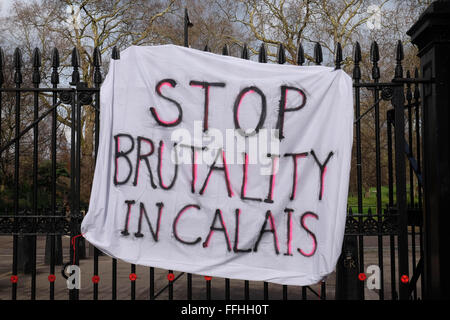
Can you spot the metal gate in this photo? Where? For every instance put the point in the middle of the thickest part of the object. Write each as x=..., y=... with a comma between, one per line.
x=386, y=234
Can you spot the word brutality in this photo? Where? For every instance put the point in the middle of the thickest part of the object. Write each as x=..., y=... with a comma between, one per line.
x=144, y=148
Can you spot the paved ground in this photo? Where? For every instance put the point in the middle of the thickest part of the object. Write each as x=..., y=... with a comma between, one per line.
x=143, y=280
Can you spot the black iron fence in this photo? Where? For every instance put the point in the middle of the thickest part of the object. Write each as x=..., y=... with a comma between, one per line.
x=387, y=235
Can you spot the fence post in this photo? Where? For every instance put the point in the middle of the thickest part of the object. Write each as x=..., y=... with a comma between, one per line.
x=431, y=34
x=347, y=286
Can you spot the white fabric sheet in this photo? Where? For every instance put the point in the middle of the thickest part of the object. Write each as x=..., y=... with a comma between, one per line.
x=306, y=231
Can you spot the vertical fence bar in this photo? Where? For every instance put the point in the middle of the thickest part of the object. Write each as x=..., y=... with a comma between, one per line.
x=411, y=177
x=55, y=82
x=208, y=289
x=133, y=279
x=227, y=289
x=323, y=290
x=72, y=187
x=189, y=286
x=115, y=55
x=18, y=82
x=114, y=280
x=390, y=119
x=357, y=77
x=74, y=168
x=398, y=101
x=152, y=283
x=171, y=286
x=266, y=291
x=419, y=167
x=97, y=82
x=375, y=57
x=36, y=79
x=246, y=290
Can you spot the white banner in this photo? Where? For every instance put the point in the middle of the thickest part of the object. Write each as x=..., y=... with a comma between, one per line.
x=220, y=166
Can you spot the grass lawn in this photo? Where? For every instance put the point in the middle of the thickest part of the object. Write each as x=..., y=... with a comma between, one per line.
x=369, y=199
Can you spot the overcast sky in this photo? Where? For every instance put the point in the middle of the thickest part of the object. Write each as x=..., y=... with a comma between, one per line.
x=4, y=4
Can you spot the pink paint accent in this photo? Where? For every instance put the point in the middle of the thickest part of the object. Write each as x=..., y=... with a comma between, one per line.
x=165, y=122
x=314, y=242
x=295, y=169
x=272, y=225
x=323, y=181
x=161, y=162
x=225, y=227
x=245, y=175
x=195, y=169
x=211, y=232
x=273, y=176
x=159, y=223
x=129, y=214
x=209, y=237
x=239, y=105
x=156, y=113
x=117, y=159
x=207, y=108
x=290, y=234
x=137, y=178
x=207, y=181
x=237, y=228
x=139, y=162
x=227, y=174
x=285, y=100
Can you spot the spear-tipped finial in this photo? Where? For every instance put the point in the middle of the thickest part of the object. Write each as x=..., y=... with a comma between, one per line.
x=115, y=53
x=36, y=76
x=300, y=55
x=36, y=58
x=338, y=59
x=375, y=57
x=245, y=54
x=399, y=57
x=97, y=63
x=75, y=58
x=262, y=54
x=55, y=64
x=356, y=61
x=318, y=57
x=17, y=66
x=97, y=57
x=281, y=55
x=225, y=50
x=55, y=58
x=75, y=65
x=374, y=52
